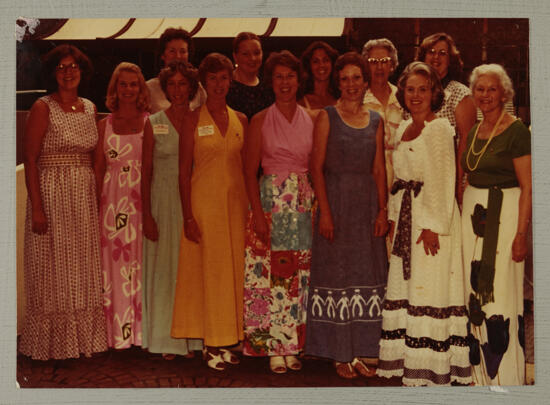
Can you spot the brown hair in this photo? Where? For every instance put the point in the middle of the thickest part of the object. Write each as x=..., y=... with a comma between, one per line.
x=306, y=65
x=186, y=69
x=244, y=36
x=349, y=58
x=52, y=59
x=421, y=68
x=283, y=58
x=455, y=61
x=213, y=63
x=170, y=34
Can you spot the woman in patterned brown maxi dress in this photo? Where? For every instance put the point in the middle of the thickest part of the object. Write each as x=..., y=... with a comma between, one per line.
x=64, y=315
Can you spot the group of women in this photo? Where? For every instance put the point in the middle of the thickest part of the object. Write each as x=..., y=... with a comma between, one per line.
x=212, y=207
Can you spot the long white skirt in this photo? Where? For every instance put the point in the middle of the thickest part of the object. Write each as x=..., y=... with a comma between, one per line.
x=508, y=290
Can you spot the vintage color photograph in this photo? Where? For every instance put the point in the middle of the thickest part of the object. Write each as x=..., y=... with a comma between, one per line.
x=274, y=202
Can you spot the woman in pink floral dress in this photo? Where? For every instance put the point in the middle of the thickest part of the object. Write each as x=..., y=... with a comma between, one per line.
x=118, y=171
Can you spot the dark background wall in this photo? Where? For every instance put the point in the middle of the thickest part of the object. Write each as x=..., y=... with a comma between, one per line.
x=503, y=41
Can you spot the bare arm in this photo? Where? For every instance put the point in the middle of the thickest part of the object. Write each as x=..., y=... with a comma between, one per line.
x=379, y=174
x=37, y=125
x=244, y=123
x=465, y=116
x=150, y=228
x=318, y=154
x=99, y=159
x=186, y=149
x=522, y=166
x=253, y=154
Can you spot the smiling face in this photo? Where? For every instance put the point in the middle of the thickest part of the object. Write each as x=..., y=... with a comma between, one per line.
x=438, y=57
x=285, y=83
x=127, y=87
x=321, y=65
x=351, y=83
x=380, y=65
x=217, y=84
x=418, y=94
x=488, y=93
x=249, y=56
x=176, y=49
x=177, y=89
x=67, y=73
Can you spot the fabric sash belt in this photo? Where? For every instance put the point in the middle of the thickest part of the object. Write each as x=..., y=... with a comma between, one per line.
x=65, y=159
x=402, y=240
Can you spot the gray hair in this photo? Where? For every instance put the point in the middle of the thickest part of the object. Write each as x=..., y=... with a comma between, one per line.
x=381, y=43
x=497, y=71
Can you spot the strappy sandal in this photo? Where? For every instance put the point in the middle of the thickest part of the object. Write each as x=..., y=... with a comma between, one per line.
x=168, y=356
x=345, y=370
x=293, y=363
x=277, y=364
x=229, y=357
x=362, y=368
x=214, y=361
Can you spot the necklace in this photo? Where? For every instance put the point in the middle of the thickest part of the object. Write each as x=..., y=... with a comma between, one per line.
x=71, y=104
x=471, y=150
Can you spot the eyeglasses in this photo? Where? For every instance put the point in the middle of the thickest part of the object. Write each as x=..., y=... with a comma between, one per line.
x=383, y=61
x=70, y=67
x=442, y=52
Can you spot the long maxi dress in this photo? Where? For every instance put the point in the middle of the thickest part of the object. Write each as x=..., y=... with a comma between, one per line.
x=122, y=237
x=496, y=324
x=277, y=275
x=424, y=324
x=348, y=276
x=209, y=289
x=160, y=257
x=64, y=312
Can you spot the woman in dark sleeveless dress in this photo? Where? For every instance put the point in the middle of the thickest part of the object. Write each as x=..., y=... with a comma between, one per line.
x=349, y=262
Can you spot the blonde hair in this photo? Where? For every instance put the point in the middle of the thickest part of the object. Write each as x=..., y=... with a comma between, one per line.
x=143, y=102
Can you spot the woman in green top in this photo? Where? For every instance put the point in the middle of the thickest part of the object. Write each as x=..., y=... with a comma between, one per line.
x=495, y=218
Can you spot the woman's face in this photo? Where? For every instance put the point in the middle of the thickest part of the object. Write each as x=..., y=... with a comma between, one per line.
x=488, y=93
x=438, y=57
x=177, y=89
x=127, y=87
x=67, y=73
x=217, y=84
x=249, y=56
x=418, y=94
x=321, y=65
x=176, y=49
x=351, y=83
x=285, y=83
x=380, y=65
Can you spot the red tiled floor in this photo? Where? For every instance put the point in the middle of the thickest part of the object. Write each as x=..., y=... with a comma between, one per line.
x=137, y=368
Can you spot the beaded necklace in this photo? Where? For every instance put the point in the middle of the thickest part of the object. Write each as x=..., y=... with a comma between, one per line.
x=471, y=150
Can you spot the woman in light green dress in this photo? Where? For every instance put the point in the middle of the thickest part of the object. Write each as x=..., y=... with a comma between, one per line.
x=162, y=215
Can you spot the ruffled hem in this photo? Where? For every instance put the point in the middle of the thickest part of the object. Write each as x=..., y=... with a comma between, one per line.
x=62, y=336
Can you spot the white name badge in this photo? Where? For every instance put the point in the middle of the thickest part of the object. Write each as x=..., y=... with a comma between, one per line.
x=161, y=129
x=206, y=130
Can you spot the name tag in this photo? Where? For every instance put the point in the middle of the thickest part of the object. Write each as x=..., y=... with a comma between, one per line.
x=206, y=130
x=161, y=129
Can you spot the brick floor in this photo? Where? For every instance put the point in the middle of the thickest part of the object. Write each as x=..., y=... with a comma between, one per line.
x=137, y=368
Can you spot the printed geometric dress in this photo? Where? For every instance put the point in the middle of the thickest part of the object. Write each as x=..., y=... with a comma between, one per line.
x=490, y=214
x=424, y=324
x=121, y=236
x=160, y=257
x=277, y=274
x=348, y=276
x=64, y=316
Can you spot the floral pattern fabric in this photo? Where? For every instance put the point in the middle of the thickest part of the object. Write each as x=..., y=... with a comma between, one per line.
x=277, y=274
x=121, y=237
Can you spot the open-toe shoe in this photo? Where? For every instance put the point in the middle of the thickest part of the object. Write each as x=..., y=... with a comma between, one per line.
x=345, y=370
x=229, y=357
x=362, y=368
x=214, y=361
x=277, y=364
x=293, y=363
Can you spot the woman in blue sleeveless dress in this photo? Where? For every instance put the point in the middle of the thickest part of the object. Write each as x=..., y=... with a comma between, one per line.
x=349, y=262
